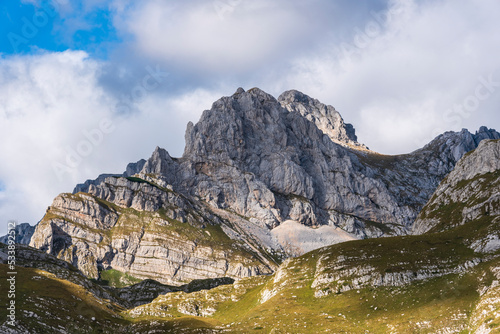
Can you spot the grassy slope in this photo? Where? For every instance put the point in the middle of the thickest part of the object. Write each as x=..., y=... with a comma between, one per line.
x=117, y=279
x=445, y=302
x=57, y=303
x=448, y=301
x=47, y=304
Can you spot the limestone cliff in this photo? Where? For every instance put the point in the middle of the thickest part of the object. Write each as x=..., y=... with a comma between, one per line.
x=140, y=228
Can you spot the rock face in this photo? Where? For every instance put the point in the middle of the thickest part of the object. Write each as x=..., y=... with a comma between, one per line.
x=251, y=163
x=471, y=191
x=132, y=168
x=265, y=162
x=326, y=118
x=140, y=228
x=24, y=232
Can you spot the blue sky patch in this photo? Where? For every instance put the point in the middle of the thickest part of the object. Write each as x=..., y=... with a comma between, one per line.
x=26, y=28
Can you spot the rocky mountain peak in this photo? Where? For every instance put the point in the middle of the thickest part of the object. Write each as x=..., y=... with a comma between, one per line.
x=159, y=163
x=292, y=95
x=234, y=126
x=24, y=232
x=239, y=91
x=325, y=117
x=456, y=144
x=485, y=133
x=239, y=125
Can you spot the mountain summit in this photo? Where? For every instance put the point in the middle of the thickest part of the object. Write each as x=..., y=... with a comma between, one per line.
x=326, y=118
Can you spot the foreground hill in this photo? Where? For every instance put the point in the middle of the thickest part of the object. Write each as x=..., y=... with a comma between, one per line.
x=259, y=175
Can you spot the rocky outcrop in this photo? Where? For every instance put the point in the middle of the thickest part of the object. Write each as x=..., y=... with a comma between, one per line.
x=139, y=228
x=341, y=279
x=326, y=118
x=470, y=192
x=200, y=303
x=23, y=234
x=148, y=290
x=132, y=168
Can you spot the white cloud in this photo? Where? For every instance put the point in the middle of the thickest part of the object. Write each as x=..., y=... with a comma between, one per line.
x=45, y=102
x=52, y=109
x=214, y=36
x=397, y=77
x=398, y=87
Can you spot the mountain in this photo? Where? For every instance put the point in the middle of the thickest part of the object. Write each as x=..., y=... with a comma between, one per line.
x=261, y=179
x=445, y=280
x=23, y=235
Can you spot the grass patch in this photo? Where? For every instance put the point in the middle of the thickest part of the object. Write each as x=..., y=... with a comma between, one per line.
x=139, y=180
x=382, y=227
x=449, y=214
x=117, y=279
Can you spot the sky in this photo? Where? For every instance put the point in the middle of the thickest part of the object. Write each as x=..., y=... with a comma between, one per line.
x=89, y=86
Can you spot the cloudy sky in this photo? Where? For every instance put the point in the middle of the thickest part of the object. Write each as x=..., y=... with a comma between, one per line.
x=88, y=86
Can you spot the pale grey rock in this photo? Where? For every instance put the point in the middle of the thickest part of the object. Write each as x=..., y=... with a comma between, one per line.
x=326, y=118
x=489, y=243
x=118, y=225
x=24, y=232
x=303, y=212
x=297, y=239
